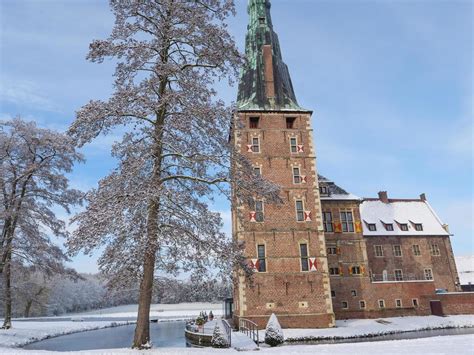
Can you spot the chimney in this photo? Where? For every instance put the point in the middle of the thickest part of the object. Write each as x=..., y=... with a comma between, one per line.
x=423, y=197
x=383, y=196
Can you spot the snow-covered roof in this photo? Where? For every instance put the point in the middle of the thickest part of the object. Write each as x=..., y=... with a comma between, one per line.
x=334, y=192
x=398, y=212
x=465, y=266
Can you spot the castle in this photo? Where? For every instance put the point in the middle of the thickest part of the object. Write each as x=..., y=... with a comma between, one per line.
x=323, y=254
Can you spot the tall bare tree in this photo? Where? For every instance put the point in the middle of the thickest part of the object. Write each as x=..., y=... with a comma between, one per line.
x=152, y=211
x=33, y=164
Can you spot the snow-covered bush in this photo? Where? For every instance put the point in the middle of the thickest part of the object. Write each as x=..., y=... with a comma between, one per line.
x=219, y=339
x=273, y=332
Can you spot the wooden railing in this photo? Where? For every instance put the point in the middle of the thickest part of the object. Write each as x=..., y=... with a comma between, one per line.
x=249, y=328
x=228, y=332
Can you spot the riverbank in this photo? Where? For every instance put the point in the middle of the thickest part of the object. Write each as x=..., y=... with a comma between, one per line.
x=24, y=333
x=459, y=345
x=368, y=328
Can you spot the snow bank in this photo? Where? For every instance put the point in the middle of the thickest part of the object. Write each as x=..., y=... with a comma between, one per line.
x=457, y=344
x=165, y=311
x=370, y=327
x=24, y=333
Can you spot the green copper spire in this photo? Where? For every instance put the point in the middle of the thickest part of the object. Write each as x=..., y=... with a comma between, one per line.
x=265, y=82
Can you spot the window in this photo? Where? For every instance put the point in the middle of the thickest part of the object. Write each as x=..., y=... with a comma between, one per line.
x=381, y=303
x=261, y=20
x=353, y=293
x=331, y=251
x=255, y=145
x=304, y=257
x=253, y=122
x=398, y=303
x=299, y=211
x=414, y=301
x=355, y=270
x=404, y=227
x=389, y=226
x=293, y=145
x=372, y=227
x=262, y=266
x=259, y=211
x=398, y=275
x=418, y=227
x=327, y=222
x=397, y=250
x=333, y=293
x=428, y=274
x=296, y=176
x=290, y=122
x=434, y=250
x=378, y=250
x=361, y=304
x=416, y=250
x=334, y=271
x=344, y=305
x=323, y=190
x=257, y=170
x=347, y=222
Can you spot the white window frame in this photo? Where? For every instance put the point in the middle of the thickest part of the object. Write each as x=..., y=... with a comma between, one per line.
x=302, y=210
x=376, y=251
x=416, y=249
x=396, y=303
x=395, y=275
x=428, y=273
x=434, y=250
x=345, y=220
x=347, y=305
x=395, y=251
x=415, y=300
x=296, y=178
x=293, y=146
x=383, y=303
x=328, y=227
x=262, y=211
x=362, y=302
x=255, y=147
x=264, y=256
x=304, y=256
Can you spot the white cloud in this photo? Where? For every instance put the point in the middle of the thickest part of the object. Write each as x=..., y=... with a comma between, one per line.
x=26, y=93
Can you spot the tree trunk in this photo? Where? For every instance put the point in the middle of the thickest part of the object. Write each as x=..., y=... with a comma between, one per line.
x=29, y=303
x=7, y=323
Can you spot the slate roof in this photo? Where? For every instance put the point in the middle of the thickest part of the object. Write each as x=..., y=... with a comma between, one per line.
x=335, y=192
x=251, y=94
x=396, y=212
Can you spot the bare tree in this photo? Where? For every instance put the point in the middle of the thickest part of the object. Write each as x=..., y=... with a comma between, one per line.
x=152, y=211
x=33, y=164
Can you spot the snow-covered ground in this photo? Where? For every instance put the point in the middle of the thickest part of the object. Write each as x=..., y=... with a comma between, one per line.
x=24, y=333
x=458, y=344
x=166, y=311
x=363, y=327
x=465, y=266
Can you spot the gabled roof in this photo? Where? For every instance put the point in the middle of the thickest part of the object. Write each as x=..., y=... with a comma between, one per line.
x=335, y=192
x=396, y=212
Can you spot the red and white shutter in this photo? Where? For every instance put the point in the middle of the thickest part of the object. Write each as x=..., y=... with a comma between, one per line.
x=312, y=264
x=303, y=179
x=252, y=215
x=249, y=148
x=300, y=148
x=254, y=264
x=307, y=216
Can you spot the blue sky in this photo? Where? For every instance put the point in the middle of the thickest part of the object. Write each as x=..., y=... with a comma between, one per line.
x=390, y=83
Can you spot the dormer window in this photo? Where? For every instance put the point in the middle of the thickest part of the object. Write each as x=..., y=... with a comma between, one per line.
x=404, y=227
x=253, y=122
x=371, y=227
x=418, y=227
x=290, y=122
x=323, y=190
x=389, y=227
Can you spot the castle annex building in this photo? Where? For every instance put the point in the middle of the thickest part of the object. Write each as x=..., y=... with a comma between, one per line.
x=323, y=253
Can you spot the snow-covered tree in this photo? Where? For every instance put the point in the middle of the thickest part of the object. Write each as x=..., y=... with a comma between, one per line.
x=33, y=164
x=273, y=332
x=152, y=210
x=219, y=339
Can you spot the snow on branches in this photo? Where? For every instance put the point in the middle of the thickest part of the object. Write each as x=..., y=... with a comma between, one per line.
x=273, y=332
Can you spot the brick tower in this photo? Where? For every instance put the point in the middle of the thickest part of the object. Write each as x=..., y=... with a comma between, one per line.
x=284, y=243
